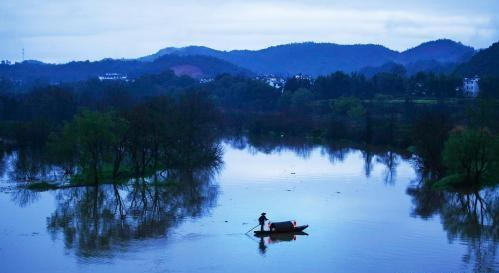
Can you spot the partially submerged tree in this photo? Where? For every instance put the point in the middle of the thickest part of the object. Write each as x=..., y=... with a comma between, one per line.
x=471, y=158
x=89, y=140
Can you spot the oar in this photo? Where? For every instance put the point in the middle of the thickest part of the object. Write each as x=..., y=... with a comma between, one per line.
x=251, y=237
x=252, y=229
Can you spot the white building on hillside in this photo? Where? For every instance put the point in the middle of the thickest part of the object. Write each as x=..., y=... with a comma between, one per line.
x=113, y=77
x=205, y=80
x=470, y=86
x=274, y=81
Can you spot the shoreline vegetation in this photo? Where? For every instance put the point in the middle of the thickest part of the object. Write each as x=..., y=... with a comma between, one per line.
x=96, y=131
x=135, y=158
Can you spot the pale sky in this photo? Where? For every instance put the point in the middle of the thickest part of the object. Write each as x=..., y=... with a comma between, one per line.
x=65, y=30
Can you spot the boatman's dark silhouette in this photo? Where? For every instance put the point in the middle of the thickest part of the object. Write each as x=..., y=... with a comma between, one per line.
x=262, y=220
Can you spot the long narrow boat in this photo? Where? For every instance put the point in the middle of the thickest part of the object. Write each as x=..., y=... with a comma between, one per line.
x=297, y=229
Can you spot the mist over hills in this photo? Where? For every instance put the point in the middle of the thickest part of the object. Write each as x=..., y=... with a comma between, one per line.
x=316, y=59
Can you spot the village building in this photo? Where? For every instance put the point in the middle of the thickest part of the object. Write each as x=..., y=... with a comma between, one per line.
x=470, y=86
x=271, y=80
x=113, y=77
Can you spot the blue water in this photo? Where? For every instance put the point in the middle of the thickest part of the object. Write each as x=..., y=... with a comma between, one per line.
x=361, y=219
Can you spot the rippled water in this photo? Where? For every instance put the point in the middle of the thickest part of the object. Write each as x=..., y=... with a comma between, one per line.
x=365, y=211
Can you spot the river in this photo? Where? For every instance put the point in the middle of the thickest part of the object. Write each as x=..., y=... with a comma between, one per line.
x=365, y=209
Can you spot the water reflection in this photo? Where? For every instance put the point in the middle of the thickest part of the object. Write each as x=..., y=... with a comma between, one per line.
x=473, y=217
x=390, y=160
x=468, y=216
x=426, y=201
x=24, y=197
x=95, y=221
x=268, y=145
x=368, y=156
x=31, y=165
x=275, y=238
x=335, y=151
x=28, y=165
x=262, y=246
x=103, y=220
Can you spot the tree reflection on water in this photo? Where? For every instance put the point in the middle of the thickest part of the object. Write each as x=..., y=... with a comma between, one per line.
x=471, y=217
x=390, y=160
x=97, y=220
x=467, y=216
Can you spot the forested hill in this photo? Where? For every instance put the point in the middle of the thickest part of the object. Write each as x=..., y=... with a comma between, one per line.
x=316, y=59
x=484, y=63
x=410, y=68
x=443, y=51
x=308, y=58
x=193, y=66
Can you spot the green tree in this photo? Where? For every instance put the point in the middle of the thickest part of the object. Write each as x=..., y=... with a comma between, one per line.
x=350, y=106
x=471, y=158
x=90, y=139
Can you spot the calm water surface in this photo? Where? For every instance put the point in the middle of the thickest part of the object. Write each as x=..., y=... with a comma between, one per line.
x=365, y=211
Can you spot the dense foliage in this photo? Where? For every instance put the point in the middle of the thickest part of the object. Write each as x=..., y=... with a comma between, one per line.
x=472, y=158
x=112, y=129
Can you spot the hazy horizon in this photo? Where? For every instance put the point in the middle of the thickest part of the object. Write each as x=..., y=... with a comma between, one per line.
x=235, y=49
x=60, y=31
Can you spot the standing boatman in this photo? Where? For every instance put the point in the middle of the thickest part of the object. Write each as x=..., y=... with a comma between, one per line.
x=262, y=220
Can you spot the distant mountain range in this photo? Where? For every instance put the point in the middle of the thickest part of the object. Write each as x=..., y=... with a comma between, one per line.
x=313, y=59
x=193, y=66
x=324, y=58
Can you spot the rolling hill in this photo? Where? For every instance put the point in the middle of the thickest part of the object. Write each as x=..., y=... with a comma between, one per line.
x=483, y=63
x=323, y=58
x=193, y=66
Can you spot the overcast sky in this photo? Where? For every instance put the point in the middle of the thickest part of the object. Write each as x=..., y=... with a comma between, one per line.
x=64, y=30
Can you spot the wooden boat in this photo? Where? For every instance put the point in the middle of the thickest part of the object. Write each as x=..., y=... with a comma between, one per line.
x=298, y=229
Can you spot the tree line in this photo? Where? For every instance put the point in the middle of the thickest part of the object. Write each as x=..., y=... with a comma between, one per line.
x=121, y=128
